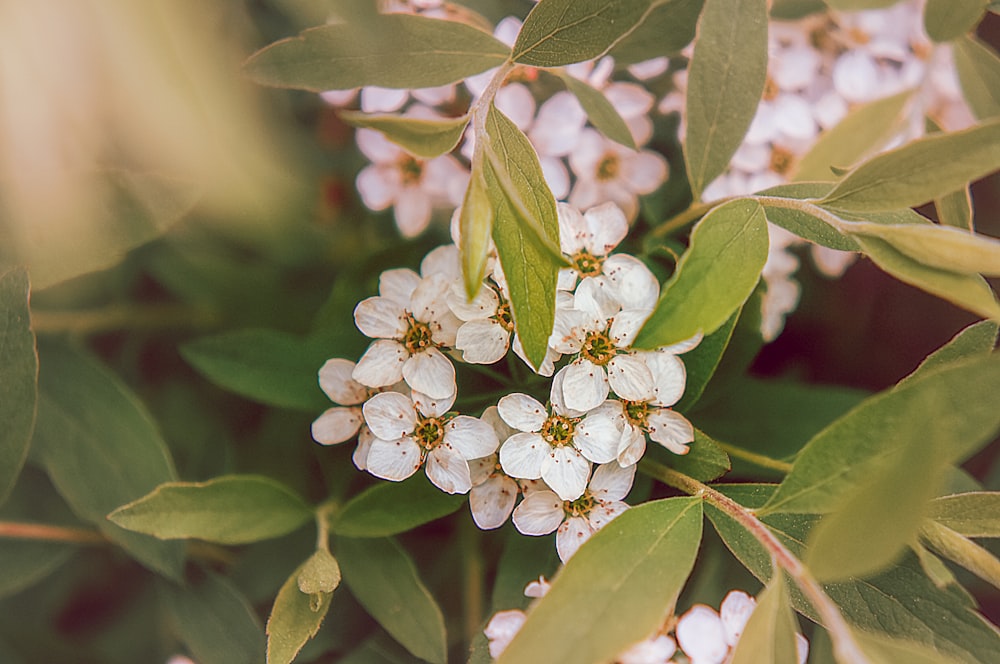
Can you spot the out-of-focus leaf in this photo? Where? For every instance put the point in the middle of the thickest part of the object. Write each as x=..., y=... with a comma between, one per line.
x=856, y=5
x=421, y=136
x=945, y=20
x=665, y=31
x=295, y=618
x=383, y=578
x=974, y=514
x=233, y=509
x=599, y=110
x=396, y=51
x=526, y=233
x=714, y=277
x=919, y=171
x=475, y=226
x=937, y=246
x=215, y=621
x=725, y=82
x=881, y=649
x=977, y=339
x=769, y=635
x=962, y=551
x=978, y=68
x=705, y=460
x=389, y=508
x=101, y=448
x=865, y=129
x=955, y=209
x=628, y=575
x=790, y=10
x=701, y=363
x=18, y=377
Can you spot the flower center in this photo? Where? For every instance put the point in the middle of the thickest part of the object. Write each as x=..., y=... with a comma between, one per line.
x=411, y=169
x=598, y=348
x=558, y=430
x=781, y=160
x=608, y=167
x=579, y=507
x=771, y=89
x=586, y=264
x=417, y=336
x=429, y=431
x=503, y=316
x=636, y=413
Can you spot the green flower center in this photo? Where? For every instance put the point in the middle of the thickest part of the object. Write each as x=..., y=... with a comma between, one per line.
x=598, y=348
x=411, y=169
x=558, y=430
x=636, y=413
x=608, y=168
x=581, y=506
x=429, y=431
x=504, y=317
x=417, y=336
x=586, y=264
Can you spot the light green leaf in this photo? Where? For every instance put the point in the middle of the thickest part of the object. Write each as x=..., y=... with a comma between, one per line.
x=101, y=448
x=232, y=509
x=215, y=621
x=725, y=83
x=974, y=514
x=860, y=134
x=320, y=574
x=664, y=31
x=938, y=407
x=881, y=649
x=945, y=20
x=268, y=366
x=933, y=567
x=294, y=619
x=969, y=291
x=394, y=507
x=383, y=578
x=701, y=363
x=705, y=460
x=526, y=233
x=769, y=635
x=962, y=551
x=599, y=110
x=396, y=51
x=955, y=209
x=978, y=68
x=919, y=171
x=18, y=377
x=937, y=246
x=714, y=277
x=618, y=587
x=420, y=136
x=978, y=339
x=475, y=225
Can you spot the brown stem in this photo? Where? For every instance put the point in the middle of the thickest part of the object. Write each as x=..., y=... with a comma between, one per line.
x=45, y=532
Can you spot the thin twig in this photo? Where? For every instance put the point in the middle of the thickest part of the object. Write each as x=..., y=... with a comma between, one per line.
x=48, y=533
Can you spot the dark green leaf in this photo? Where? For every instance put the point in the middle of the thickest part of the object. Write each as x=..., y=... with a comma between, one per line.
x=977, y=339
x=665, y=31
x=962, y=551
x=215, y=621
x=714, y=277
x=420, y=136
x=396, y=51
x=705, y=460
x=475, y=225
x=955, y=209
x=389, y=508
x=790, y=10
x=769, y=635
x=383, y=578
x=799, y=219
x=232, y=509
x=18, y=377
x=294, y=619
x=945, y=20
x=101, y=448
x=702, y=362
x=599, y=110
x=725, y=83
x=855, y=5
x=628, y=575
x=978, y=68
x=974, y=514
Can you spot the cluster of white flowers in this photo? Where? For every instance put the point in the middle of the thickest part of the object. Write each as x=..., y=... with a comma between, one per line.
x=605, y=399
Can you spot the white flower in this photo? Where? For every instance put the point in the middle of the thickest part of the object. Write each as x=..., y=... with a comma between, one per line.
x=484, y=336
x=410, y=430
x=493, y=493
x=576, y=520
x=411, y=321
x=657, y=649
x=340, y=423
x=502, y=628
x=607, y=171
x=586, y=239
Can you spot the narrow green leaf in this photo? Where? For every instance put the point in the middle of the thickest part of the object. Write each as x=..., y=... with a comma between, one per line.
x=599, y=110
x=937, y=246
x=978, y=68
x=769, y=635
x=475, y=225
x=268, y=366
x=919, y=171
x=714, y=277
x=295, y=618
x=705, y=460
x=101, y=449
x=702, y=362
x=383, y=578
x=933, y=567
x=962, y=551
x=527, y=262
x=864, y=130
x=955, y=209
x=396, y=51
x=421, y=136
x=974, y=514
x=215, y=621
x=938, y=407
x=666, y=30
x=627, y=576
x=232, y=509
x=725, y=82
x=969, y=291
x=18, y=377
x=320, y=574
x=976, y=339
x=945, y=20
x=389, y=508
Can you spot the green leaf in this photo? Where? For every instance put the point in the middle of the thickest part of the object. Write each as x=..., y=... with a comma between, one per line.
x=475, y=225
x=790, y=10
x=934, y=567
x=945, y=20
x=919, y=171
x=769, y=635
x=599, y=110
x=955, y=209
x=383, y=578
x=725, y=82
x=962, y=551
x=320, y=574
x=705, y=460
x=801, y=219
x=969, y=291
x=294, y=619
x=936, y=246
x=101, y=448
x=422, y=137
x=664, y=31
x=863, y=131
x=883, y=650
x=714, y=277
x=232, y=509
x=856, y=5
x=215, y=621
x=389, y=508
x=978, y=68
x=978, y=339
x=618, y=587
x=18, y=377
x=938, y=407
x=526, y=233
x=396, y=51
x=974, y=514
x=701, y=363
x=522, y=561
x=268, y=366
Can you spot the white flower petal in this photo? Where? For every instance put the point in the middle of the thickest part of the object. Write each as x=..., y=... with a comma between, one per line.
x=735, y=612
x=669, y=377
x=602, y=513
x=644, y=172
x=502, y=628
x=374, y=145
x=471, y=437
x=654, y=650
x=522, y=412
x=556, y=397
x=538, y=514
x=611, y=482
x=360, y=455
x=382, y=364
x=381, y=100
x=336, y=425
x=566, y=471
x=380, y=318
x=682, y=347
x=442, y=260
x=430, y=407
x=572, y=228
x=633, y=284
x=483, y=469
x=390, y=415
x=597, y=435
x=430, y=372
x=584, y=385
x=482, y=306
x=700, y=635
x=398, y=285
x=606, y=228
x=626, y=325
x=482, y=341
x=492, y=501
x=630, y=378
x=336, y=382
x=500, y=427
x=670, y=429
x=447, y=470
x=378, y=186
x=394, y=459
x=571, y=535
x=522, y=455
x=517, y=103
x=631, y=446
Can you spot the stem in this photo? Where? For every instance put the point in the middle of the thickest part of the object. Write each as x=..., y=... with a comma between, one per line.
x=802, y=206
x=472, y=573
x=845, y=647
x=45, y=532
x=755, y=459
x=119, y=316
x=323, y=514
x=694, y=212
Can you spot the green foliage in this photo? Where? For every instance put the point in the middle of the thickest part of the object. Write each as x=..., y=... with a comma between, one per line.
x=19, y=369
x=769, y=635
x=233, y=509
x=962, y=551
x=667, y=29
x=390, y=508
x=295, y=618
x=936, y=246
x=955, y=209
x=422, y=137
x=702, y=362
x=475, y=223
x=975, y=514
x=945, y=20
x=600, y=112
x=705, y=460
x=978, y=68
